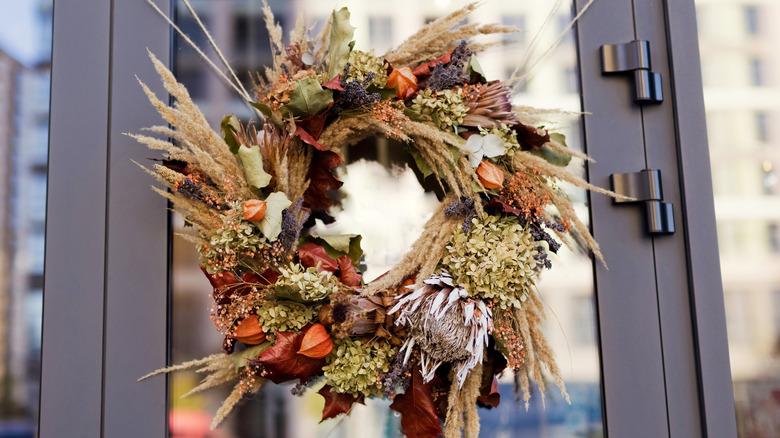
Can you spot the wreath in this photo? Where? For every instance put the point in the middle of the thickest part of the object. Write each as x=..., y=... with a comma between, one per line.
x=435, y=331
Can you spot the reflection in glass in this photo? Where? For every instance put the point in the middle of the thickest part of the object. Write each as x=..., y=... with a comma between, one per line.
x=567, y=289
x=25, y=53
x=736, y=41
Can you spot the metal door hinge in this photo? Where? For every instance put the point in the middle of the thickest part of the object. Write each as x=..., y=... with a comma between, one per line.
x=645, y=187
x=634, y=58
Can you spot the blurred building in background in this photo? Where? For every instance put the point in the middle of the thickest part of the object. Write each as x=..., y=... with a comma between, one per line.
x=741, y=71
x=24, y=101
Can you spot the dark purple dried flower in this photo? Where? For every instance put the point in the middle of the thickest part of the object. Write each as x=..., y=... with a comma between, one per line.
x=445, y=76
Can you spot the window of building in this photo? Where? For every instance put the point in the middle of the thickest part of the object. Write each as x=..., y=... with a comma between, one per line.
x=380, y=33
x=752, y=25
x=756, y=72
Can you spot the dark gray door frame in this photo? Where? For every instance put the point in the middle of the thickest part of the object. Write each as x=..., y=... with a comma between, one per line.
x=660, y=305
x=104, y=322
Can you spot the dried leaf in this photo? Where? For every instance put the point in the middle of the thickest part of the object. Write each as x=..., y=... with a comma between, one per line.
x=425, y=69
x=347, y=273
x=418, y=412
x=313, y=255
x=530, y=137
x=282, y=361
x=334, y=84
x=230, y=125
x=271, y=224
x=252, y=161
x=339, y=244
x=553, y=157
x=316, y=342
x=341, y=33
x=492, y=397
x=337, y=403
x=322, y=180
x=308, y=139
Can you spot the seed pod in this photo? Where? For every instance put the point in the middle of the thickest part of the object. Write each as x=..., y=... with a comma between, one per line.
x=254, y=210
x=490, y=175
x=316, y=343
x=248, y=331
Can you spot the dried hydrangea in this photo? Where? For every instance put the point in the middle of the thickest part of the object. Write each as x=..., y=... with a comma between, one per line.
x=506, y=134
x=446, y=108
x=233, y=240
x=364, y=64
x=285, y=316
x=495, y=259
x=355, y=366
x=308, y=284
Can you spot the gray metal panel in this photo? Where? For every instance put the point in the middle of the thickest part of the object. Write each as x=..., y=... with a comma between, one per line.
x=136, y=298
x=670, y=251
x=72, y=353
x=633, y=378
x=716, y=390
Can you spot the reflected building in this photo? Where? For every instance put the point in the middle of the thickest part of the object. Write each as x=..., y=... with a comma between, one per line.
x=741, y=75
x=24, y=91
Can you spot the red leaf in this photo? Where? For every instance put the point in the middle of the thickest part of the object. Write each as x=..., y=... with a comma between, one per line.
x=337, y=403
x=334, y=84
x=492, y=398
x=311, y=254
x=308, y=139
x=322, y=180
x=226, y=285
x=347, y=273
x=268, y=277
x=500, y=205
x=418, y=412
x=282, y=361
x=314, y=124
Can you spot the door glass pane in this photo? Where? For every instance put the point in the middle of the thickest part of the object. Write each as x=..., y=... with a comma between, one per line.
x=741, y=90
x=567, y=289
x=25, y=59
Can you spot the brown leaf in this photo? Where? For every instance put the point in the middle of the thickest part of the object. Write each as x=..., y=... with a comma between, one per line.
x=282, y=361
x=313, y=255
x=424, y=70
x=321, y=180
x=226, y=284
x=347, y=273
x=316, y=343
x=530, y=137
x=337, y=403
x=490, y=398
x=418, y=412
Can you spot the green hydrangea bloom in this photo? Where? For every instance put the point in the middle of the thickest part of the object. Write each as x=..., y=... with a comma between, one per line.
x=285, y=316
x=233, y=239
x=446, y=107
x=362, y=63
x=355, y=365
x=305, y=285
x=493, y=260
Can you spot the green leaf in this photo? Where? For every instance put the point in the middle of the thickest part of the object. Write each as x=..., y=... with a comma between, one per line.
x=341, y=33
x=384, y=93
x=415, y=115
x=551, y=156
x=271, y=225
x=252, y=160
x=242, y=358
x=309, y=98
x=229, y=125
x=420, y=162
x=473, y=69
x=268, y=112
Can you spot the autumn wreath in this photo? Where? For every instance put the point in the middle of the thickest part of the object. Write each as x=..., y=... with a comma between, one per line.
x=460, y=308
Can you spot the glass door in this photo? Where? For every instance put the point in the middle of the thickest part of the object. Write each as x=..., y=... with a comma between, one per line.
x=567, y=289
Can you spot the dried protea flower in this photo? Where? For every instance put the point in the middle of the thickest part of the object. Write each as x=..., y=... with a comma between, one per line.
x=489, y=106
x=445, y=324
x=355, y=315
